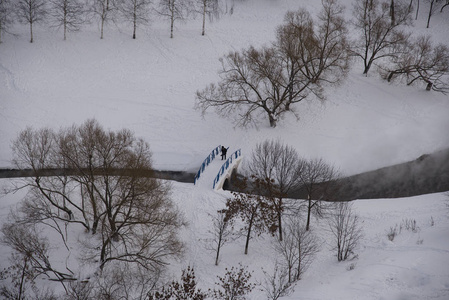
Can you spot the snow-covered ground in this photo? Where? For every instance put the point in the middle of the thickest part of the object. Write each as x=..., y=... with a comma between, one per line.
x=148, y=85
x=412, y=266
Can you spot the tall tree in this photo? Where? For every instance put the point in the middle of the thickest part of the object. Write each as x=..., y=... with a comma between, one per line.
x=253, y=209
x=379, y=35
x=107, y=187
x=314, y=53
x=31, y=12
x=105, y=11
x=207, y=8
x=270, y=80
x=319, y=180
x=276, y=164
x=69, y=14
x=346, y=230
x=221, y=232
x=297, y=249
x=173, y=10
x=137, y=12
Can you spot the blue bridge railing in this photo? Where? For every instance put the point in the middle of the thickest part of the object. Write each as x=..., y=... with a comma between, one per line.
x=207, y=161
x=226, y=165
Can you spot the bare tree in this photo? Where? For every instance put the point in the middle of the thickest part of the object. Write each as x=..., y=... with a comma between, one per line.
x=137, y=12
x=379, y=36
x=69, y=14
x=221, y=232
x=346, y=230
x=129, y=213
x=318, y=179
x=253, y=209
x=105, y=11
x=49, y=196
x=277, y=285
x=250, y=83
x=173, y=10
x=275, y=162
x=268, y=81
x=6, y=16
x=207, y=8
x=422, y=62
x=298, y=249
x=31, y=12
x=314, y=53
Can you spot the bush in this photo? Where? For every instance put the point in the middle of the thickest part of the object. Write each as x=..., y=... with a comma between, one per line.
x=345, y=227
x=234, y=284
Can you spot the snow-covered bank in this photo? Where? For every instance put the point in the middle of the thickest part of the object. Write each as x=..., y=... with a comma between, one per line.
x=412, y=266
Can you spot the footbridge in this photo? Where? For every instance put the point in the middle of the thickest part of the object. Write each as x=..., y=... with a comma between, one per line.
x=216, y=173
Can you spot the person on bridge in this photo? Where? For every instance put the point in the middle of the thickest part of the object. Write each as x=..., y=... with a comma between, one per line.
x=223, y=152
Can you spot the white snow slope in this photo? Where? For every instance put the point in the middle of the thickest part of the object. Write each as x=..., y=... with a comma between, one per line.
x=148, y=85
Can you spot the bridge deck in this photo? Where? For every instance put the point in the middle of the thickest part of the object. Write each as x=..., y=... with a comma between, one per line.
x=210, y=172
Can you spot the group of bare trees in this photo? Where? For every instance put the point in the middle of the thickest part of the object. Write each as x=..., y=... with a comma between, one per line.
x=101, y=185
x=70, y=15
x=274, y=172
x=311, y=53
x=305, y=56
x=385, y=37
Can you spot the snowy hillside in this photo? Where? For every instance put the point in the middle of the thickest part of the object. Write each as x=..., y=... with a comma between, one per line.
x=412, y=266
x=148, y=85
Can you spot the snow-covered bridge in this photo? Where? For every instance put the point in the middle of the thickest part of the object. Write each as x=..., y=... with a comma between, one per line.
x=216, y=173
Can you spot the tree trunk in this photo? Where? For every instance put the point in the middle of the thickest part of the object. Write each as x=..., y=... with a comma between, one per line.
x=367, y=67
x=280, y=220
x=430, y=13
x=273, y=122
x=65, y=29
x=392, y=13
x=248, y=235
x=429, y=86
x=95, y=225
x=298, y=270
x=102, y=25
x=204, y=16
x=22, y=278
x=309, y=210
x=103, y=253
x=218, y=253
x=135, y=22
x=417, y=11
x=172, y=22
x=390, y=76
x=31, y=31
